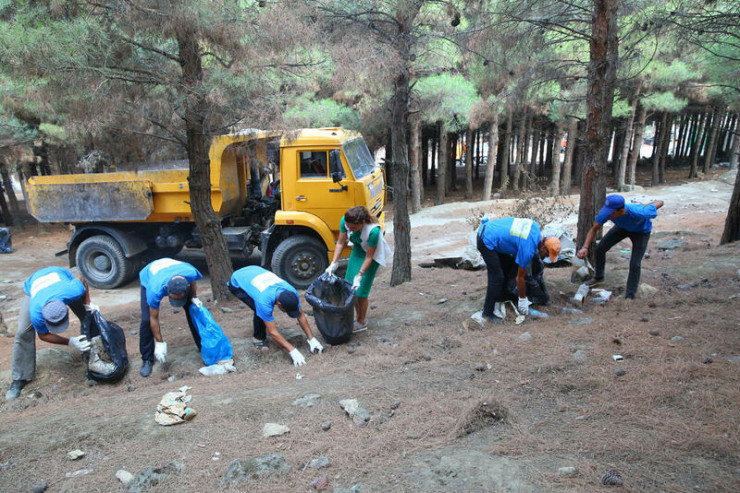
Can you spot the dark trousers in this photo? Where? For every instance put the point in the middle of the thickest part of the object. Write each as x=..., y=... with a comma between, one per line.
x=260, y=329
x=639, y=245
x=498, y=265
x=146, y=338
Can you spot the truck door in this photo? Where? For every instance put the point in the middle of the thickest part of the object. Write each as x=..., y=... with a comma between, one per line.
x=315, y=191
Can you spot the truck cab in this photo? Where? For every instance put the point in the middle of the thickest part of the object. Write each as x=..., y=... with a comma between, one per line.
x=281, y=193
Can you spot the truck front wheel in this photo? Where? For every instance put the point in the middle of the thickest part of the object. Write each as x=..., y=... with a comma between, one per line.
x=299, y=260
x=102, y=261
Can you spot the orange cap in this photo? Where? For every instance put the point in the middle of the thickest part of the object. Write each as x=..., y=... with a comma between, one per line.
x=553, y=247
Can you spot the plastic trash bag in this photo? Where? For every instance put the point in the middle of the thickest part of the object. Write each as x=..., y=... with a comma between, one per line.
x=333, y=302
x=214, y=345
x=107, y=360
x=6, y=241
x=534, y=283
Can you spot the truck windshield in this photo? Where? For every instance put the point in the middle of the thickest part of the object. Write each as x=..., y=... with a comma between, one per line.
x=359, y=157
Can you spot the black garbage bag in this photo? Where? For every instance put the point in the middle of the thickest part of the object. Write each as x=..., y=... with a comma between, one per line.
x=333, y=302
x=534, y=282
x=107, y=360
x=6, y=241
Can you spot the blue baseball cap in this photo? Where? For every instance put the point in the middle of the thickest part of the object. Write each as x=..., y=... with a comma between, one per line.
x=289, y=301
x=611, y=204
x=177, y=289
x=56, y=316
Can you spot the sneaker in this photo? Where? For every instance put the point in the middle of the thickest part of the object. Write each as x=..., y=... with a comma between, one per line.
x=499, y=310
x=146, y=368
x=593, y=282
x=358, y=327
x=494, y=319
x=15, y=389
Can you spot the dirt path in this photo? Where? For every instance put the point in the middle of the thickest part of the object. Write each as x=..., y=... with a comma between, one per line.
x=455, y=407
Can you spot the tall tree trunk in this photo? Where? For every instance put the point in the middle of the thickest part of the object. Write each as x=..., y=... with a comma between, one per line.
x=452, y=164
x=711, y=151
x=731, y=232
x=665, y=140
x=8, y=185
x=570, y=150
x=727, y=135
x=5, y=211
x=469, y=164
x=735, y=148
x=198, y=143
x=435, y=155
x=602, y=71
x=492, y=153
x=534, y=165
x=506, y=152
x=443, y=158
x=679, y=141
x=399, y=118
x=424, y=166
x=556, y=165
x=520, y=151
x=696, y=142
x=637, y=146
x=415, y=171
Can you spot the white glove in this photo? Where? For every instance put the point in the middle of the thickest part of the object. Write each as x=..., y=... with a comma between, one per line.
x=314, y=345
x=298, y=358
x=332, y=268
x=356, y=281
x=160, y=351
x=197, y=302
x=80, y=342
x=92, y=307
x=523, y=306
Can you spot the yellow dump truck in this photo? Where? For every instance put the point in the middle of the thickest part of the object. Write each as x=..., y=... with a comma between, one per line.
x=282, y=193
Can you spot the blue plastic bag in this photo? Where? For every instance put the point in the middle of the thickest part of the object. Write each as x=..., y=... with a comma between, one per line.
x=214, y=345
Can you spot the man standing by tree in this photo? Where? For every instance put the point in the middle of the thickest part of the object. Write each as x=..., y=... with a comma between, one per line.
x=630, y=220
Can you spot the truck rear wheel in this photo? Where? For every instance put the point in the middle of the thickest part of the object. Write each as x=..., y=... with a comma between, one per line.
x=102, y=261
x=299, y=260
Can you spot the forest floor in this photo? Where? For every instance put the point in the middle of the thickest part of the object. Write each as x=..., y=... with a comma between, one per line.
x=454, y=406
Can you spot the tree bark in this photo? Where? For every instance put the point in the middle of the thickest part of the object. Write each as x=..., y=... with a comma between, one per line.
x=679, y=140
x=602, y=73
x=468, y=164
x=506, y=152
x=415, y=171
x=556, y=165
x=666, y=126
x=628, y=137
x=492, y=153
x=442, y=159
x=731, y=232
x=8, y=184
x=735, y=147
x=198, y=142
x=520, y=151
x=696, y=142
x=570, y=149
x=711, y=148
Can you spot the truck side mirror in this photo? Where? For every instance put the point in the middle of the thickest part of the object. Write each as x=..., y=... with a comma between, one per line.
x=337, y=176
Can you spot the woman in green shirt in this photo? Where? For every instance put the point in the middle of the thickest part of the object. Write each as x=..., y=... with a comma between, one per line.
x=369, y=250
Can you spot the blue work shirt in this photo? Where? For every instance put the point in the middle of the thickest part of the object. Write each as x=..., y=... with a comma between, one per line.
x=637, y=218
x=512, y=236
x=263, y=287
x=155, y=276
x=47, y=284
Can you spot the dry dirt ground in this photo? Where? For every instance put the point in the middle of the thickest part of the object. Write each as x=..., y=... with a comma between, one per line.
x=455, y=406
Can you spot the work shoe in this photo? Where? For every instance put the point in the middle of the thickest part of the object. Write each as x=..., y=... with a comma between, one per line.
x=15, y=389
x=146, y=368
x=593, y=282
x=494, y=319
x=499, y=310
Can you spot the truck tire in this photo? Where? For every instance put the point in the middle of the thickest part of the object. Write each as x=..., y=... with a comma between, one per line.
x=299, y=260
x=102, y=261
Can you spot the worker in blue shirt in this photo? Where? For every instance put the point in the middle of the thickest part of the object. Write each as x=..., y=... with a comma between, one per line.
x=631, y=221
x=262, y=291
x=160, y=278
x=48, y=293
x=503, y=243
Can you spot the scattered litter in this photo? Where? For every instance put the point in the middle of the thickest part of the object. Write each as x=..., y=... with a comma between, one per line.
x=582, y=292
x=567, y=471
x=274, y=429
x=173, y=408
x=571, y=311
x=298, y=376
x=611, y=478
x=124, y=476
x=217, y=369
x=442, y=300
x=75, y=454
x=625, y=251
x=81, y=472
x=620, y=372
x=617, y=357
x=601, y=295
x=537, y=314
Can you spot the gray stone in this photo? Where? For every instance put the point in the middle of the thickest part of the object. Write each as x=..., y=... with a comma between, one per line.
x=480, y=367
x=319, y=463
x=355, y=411
x=677, y=338
x=580, y=355
x=75, y=454
x=567, y=471
x=274, y=429
x=580, y=321
x=355, y=488
x=620, y=372
x=654, y=332
x=733, y=358
x=395, y=404
x=124, y=476
x=307, y=401
x=671, y=244
x=253, y=468
x=326, y=425
x=525, y=337
x=226, y=309
x=152, y=476
x=645, y=291
x=40, y=488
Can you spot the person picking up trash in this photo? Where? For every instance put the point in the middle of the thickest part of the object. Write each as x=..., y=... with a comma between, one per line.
x=160, y=278
x=262, y=291
x=369, y=251
x=630, y=220
x=503, y=243
x=44, y=311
